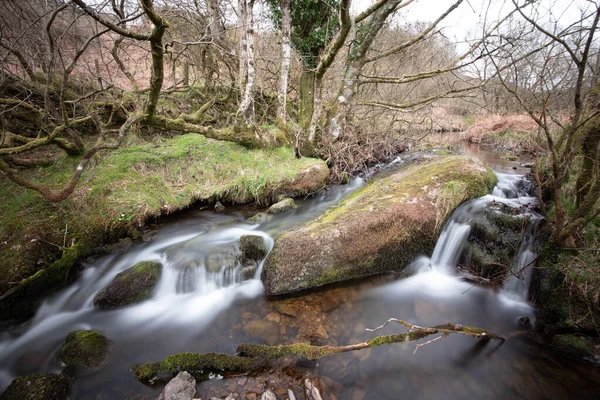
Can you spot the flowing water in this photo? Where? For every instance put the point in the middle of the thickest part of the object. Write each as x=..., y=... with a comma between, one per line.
x=201, y=309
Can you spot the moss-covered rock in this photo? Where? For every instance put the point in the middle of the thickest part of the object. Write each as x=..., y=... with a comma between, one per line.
x=38, y=387
x=24, y=298
x=281, y=206
x=495, y=237
x=253, y=248
x=130, y=286
x=85, y=349
x=378, y=229
x=573, y=345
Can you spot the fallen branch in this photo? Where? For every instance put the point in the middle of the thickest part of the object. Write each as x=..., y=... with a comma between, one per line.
x=253, y=357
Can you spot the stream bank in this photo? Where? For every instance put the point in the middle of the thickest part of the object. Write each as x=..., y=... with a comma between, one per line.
x=41, y=242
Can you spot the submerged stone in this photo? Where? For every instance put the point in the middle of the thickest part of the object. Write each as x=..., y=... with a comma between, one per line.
x=38, y=387
x=182, y=387
x=84, y=349
x=380, y=228
x=263, y=329
x=258, y=218
x=131, y=286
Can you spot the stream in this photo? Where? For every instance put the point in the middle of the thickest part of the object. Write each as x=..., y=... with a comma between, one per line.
x=202, y=311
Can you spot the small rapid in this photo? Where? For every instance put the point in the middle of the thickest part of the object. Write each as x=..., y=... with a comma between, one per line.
x=191, y=292
x=511, y=191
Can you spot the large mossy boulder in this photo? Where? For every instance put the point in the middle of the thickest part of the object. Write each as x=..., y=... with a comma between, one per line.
x=130, y=286
x=38, y=387
x=87, y=350
x=380, y=228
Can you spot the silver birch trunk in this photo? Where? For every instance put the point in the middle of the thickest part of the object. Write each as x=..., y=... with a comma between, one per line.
x=243, y=60
x=247, y=104
x=286, y=51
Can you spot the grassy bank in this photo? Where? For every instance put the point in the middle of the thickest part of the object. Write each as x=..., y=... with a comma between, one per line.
x=505, y=132
x=125, y=188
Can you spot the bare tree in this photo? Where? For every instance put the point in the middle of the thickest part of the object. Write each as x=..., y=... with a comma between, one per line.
x=286, y=53
x=551, y=84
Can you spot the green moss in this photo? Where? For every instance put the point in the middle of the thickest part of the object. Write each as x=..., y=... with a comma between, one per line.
x=573, y=345
x=131, y=286
x=27, y=295
x=275, y=352
x=84, y=349
x=415, y=181
x=198, y=365
x=38, y=387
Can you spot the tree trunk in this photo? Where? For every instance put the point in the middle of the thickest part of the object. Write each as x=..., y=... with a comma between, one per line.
x=186, y=73
x=286, y=23
x=157, y=50
x=316, y=112
x=247, y=105
x=243, y=55
x=307, y=95
x=254, y=357
x=363, y=39
x=217, y=32
x=338, y=115
x=346, y=24
x=589, y=166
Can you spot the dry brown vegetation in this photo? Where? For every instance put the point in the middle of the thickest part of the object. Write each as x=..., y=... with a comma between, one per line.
x=510, y=132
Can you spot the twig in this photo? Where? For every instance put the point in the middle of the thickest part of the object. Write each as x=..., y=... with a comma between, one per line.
x=428, y=342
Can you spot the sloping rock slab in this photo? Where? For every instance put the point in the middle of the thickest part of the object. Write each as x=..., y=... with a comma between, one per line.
x=380, y=228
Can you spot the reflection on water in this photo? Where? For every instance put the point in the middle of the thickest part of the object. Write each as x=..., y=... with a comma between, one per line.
x=203, y=311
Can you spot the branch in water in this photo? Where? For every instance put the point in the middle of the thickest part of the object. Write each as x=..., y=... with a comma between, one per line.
x=254, y=357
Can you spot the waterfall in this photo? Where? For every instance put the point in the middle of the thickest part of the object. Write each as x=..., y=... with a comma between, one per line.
x=452, y=242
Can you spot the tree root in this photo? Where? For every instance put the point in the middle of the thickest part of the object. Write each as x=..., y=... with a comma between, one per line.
x=254, y=357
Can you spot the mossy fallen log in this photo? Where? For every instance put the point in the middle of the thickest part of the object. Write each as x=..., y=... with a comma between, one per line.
x=254, y=357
